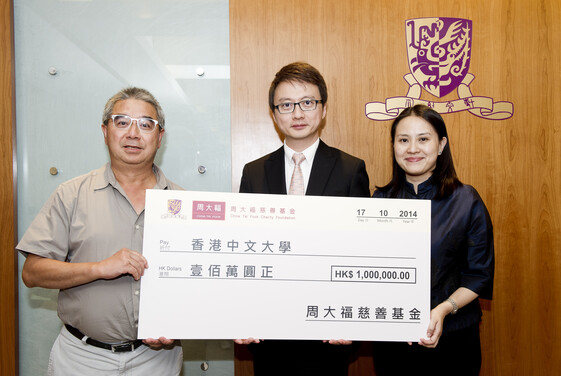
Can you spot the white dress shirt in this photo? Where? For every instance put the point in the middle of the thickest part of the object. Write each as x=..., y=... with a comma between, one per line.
x=306, y=165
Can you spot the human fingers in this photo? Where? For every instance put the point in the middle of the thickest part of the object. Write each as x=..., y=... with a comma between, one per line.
x=133, y=262
x=430, y=343
x=339, y=342
x=246, y=341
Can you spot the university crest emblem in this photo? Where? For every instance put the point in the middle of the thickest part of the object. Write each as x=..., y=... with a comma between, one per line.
x=439, y=57
x=439, y=51
x=174, y=206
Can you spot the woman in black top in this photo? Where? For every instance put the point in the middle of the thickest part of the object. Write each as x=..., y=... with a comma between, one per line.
x=462, y=252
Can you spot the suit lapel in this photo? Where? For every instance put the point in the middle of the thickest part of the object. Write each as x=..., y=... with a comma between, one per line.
x=274, y=172
x=321, y=170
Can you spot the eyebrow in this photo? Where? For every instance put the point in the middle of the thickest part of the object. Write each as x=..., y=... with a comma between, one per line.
x=298, y=100
x=140, y=117
x=416, y=135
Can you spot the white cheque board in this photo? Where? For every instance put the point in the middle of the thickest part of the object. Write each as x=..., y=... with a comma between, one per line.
x=234, y=265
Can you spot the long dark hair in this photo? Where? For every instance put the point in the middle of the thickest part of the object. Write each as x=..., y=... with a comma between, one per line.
x=444, y=174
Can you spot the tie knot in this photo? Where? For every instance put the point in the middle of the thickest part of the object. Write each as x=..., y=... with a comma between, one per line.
x=298, y=158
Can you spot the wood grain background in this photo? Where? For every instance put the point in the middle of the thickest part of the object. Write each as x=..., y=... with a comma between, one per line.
x=515, y=164
x=8, y=260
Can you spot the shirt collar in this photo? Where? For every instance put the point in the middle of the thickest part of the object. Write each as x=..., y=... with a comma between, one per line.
x=423, y=188
x=309, y=153
x=105, y=177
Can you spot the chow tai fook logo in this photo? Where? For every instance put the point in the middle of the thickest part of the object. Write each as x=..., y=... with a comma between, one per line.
x=213, y=210
x=439, y=56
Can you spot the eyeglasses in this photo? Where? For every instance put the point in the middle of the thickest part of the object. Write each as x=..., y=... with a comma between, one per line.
x=144, y=124
x=305, y=105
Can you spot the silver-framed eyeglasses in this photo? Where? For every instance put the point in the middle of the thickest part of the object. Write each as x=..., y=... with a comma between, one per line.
x=144, y=124
x=305, y=105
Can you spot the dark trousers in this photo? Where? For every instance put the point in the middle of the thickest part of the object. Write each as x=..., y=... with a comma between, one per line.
x=299, y=358
x=458, y=353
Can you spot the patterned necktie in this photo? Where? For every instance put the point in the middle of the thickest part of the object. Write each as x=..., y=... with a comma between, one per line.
x=297, y=182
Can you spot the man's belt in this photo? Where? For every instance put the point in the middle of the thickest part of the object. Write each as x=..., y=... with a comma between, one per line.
x=114, y=347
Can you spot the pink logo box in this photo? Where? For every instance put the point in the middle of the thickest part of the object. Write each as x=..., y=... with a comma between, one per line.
x=213, y=210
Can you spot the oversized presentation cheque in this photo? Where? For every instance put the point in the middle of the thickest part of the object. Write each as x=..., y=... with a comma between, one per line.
x=235, y=265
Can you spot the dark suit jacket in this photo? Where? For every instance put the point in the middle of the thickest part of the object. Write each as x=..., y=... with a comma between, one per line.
x=334, y=173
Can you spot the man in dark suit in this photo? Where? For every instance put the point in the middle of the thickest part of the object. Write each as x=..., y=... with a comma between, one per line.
x=303, y=165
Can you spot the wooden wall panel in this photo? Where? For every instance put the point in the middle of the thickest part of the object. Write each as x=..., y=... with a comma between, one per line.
x=8, y=261
x=359, y=46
